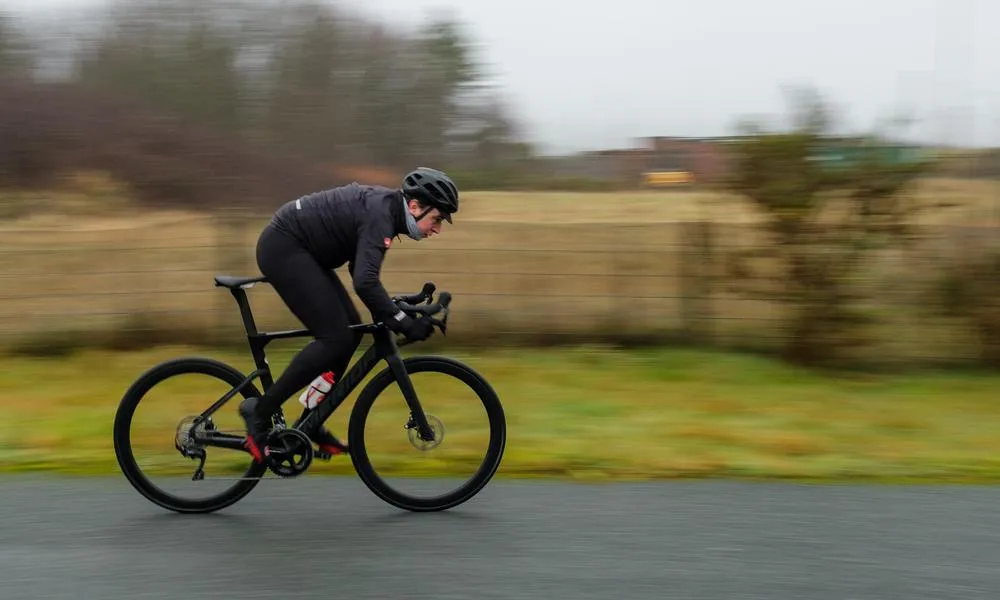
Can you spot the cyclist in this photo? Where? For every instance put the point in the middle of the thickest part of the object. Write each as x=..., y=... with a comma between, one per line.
x=297, y=251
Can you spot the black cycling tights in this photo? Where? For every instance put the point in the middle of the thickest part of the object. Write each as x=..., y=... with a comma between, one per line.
x=317, y=297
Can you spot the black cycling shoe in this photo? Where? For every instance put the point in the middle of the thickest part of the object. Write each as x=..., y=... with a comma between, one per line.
x=328, y=444
x=258, y=427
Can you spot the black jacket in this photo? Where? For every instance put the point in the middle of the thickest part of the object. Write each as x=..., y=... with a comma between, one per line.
x=351, y=224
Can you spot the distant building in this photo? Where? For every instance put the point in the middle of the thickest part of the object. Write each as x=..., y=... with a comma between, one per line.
x=704, y=159
x=663, y=161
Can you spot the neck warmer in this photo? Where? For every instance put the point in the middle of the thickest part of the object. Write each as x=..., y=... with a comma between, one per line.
x=413, y=231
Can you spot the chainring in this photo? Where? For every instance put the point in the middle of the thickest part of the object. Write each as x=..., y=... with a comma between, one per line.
x=289, y=453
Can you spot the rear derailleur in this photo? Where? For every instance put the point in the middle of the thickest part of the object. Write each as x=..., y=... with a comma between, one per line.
x=185, y=443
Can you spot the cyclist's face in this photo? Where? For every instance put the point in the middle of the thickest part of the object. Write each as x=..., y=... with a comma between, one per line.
x=431, y=223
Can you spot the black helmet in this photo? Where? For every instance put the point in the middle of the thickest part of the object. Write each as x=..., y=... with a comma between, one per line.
x=432, y=188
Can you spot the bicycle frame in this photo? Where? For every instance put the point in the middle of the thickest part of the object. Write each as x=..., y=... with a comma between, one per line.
x=383, y=348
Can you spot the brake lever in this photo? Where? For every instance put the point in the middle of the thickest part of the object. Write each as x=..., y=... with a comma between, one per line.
x=444, y=300
x=424, y=295
x=441, y=324
x=442, y=305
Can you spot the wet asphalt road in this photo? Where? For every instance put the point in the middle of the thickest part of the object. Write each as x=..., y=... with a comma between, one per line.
x=332, y=539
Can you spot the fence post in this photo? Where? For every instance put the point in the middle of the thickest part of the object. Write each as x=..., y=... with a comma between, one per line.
x=230, y=259
x=696, y=268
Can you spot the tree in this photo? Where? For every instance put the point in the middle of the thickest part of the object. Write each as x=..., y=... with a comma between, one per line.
x=171, y=56
x=303, y=97
x=969, y=289
x=299, y=78
x=16, y=55
x=829, y=203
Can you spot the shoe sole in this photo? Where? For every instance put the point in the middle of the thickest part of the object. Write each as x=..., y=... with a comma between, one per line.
x=328, y=452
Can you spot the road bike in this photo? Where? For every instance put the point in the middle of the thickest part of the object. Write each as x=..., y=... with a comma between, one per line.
x=291, y=450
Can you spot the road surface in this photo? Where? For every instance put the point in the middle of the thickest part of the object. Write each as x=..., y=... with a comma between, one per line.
x=332, y=539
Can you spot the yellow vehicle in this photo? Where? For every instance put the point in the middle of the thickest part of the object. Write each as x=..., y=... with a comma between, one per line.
x=666, y=178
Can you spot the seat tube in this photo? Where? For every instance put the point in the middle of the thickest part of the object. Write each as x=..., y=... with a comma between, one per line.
x=256, y=344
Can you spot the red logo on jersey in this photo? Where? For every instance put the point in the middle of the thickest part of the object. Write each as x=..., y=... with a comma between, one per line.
x=388, y=242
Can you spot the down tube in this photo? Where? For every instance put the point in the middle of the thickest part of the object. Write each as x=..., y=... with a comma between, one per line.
x=351, y=379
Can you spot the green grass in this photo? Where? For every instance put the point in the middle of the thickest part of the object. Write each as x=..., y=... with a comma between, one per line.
x=595, y=414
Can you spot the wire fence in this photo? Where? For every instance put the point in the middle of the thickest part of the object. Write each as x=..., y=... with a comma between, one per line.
x=148, y=283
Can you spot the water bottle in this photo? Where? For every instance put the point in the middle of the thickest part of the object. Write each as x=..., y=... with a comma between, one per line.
x=317, y=390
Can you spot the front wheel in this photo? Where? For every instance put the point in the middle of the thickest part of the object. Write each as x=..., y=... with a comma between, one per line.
x=408, y=472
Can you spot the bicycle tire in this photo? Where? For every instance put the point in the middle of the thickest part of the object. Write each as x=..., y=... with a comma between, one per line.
x=123, y=447
x=486, y=470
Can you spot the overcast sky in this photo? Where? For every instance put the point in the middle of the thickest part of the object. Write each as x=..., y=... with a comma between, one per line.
x=599, y=75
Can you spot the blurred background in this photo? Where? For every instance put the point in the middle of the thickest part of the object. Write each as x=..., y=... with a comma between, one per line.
x=144, y=145
x=818, y=185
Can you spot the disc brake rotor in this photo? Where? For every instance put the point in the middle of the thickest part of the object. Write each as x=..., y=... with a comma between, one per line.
x=437, y=427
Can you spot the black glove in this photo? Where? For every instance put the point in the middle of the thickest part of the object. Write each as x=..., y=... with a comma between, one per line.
x=415, y=330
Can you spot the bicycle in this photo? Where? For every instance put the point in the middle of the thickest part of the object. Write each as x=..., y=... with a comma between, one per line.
x=292, y=451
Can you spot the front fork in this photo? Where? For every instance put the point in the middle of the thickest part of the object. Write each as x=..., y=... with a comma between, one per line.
x=417, y=417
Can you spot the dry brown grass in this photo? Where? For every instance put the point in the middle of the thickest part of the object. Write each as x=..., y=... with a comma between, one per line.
x=543, y=263
x=971, y=202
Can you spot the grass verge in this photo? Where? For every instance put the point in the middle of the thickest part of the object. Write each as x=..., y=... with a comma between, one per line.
x=596, y=414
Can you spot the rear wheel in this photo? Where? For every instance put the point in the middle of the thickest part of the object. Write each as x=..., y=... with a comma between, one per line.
x=469, y=429
x=155, y=418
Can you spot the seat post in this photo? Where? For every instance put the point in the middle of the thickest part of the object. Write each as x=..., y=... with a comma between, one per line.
x=245, y=312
